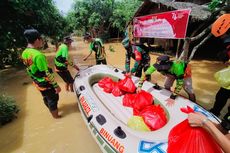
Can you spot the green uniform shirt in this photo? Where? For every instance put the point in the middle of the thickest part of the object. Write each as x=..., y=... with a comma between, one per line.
x=37, y=67
x=138, y=52
x=177, y=69
x=125, y=41
x=61, y=57
x=35, y=62
x=96, y=45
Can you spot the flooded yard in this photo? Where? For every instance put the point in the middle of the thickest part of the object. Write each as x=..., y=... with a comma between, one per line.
x=35, y=131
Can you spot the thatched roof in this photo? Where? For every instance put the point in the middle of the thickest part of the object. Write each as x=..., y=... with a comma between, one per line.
x=198, y=12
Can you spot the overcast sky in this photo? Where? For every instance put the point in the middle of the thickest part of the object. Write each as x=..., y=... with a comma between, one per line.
x=63, y=5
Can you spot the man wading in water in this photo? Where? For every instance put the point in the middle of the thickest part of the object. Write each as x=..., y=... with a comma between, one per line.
x=37, y=69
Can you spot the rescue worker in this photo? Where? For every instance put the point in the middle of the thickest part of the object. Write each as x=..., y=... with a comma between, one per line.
x=62, y=61
x=223, y=79
x=37, y=69
x=140, y=53
x=173, y=70
x=97, y=46
x=220, y=28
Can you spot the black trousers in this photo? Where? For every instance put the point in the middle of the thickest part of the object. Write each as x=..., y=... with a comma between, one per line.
x=66, y=76
x=222, y=97
x=50, y=98
x=101, y=61
x=143, y=66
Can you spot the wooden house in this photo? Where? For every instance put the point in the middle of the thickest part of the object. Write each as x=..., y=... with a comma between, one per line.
x=197, y=22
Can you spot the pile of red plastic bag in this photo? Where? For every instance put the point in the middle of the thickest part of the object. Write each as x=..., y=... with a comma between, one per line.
x=186, y=139
x=142, y=103
x=149, y=117
x=117, y=88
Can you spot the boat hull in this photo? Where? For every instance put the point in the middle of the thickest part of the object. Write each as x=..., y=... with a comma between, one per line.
x=106, y=117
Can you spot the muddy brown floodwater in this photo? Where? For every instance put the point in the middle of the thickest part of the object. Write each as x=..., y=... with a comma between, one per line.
x=35, y=131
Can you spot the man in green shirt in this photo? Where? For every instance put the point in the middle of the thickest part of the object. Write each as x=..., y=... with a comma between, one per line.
x=173, y=70
x=140, y=53
x=62, y=61
x=37, y=69
x=223, y=79
x=97, y=46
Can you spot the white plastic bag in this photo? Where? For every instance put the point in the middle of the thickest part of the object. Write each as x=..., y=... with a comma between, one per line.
x=223, y=77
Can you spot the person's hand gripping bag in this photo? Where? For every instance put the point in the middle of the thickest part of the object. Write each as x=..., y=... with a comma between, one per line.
x=186, y=139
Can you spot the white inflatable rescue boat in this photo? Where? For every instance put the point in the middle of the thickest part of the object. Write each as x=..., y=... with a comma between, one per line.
x=107, y=118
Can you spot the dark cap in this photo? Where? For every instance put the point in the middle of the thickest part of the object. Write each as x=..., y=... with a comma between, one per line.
x=87, y=36
x=163, y=58
x=31, y=35
x=68, y=39
x=163, y=63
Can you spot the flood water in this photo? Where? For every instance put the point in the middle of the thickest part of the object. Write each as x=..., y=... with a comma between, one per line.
x=35, y=131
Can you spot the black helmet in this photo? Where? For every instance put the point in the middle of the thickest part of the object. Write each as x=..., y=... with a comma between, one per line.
x=163, y=59
x=31, y=35
x=87, y=36
x=67, y=40
x=163, y=63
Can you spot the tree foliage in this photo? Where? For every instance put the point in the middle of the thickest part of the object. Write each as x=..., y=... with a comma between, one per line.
x=102, y=16
x=123, y=13
x=18, y=15
x=217, y=7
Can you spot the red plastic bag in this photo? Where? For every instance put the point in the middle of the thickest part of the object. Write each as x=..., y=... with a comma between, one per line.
x=136, y=112
x=104, y=81
x=128, y=100
x=116, y=90
x=127, y=85
x=154, y=116
x=186, y=139
x=142, y=100
x=108, y=86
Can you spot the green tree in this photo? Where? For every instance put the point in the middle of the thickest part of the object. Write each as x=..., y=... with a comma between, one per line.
x=91, y=15
x=123, y=13
x=20, y=15
x=100, y=17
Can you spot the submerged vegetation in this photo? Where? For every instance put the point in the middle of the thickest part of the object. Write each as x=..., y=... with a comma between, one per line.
x=8, y=109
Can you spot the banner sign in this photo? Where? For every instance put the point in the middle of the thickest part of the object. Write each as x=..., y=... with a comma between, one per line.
x=170, y=25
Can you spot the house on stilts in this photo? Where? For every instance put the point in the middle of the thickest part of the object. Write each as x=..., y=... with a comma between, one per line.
x=200, y=18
